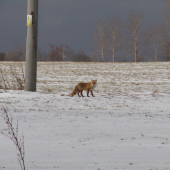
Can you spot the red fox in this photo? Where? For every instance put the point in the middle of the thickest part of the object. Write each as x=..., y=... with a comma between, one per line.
x=84, y=86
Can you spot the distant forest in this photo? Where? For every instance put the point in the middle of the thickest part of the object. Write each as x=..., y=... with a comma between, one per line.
x=61, y=53
x=114, y=41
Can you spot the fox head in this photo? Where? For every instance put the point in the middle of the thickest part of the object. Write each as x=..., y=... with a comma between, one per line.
x=93, y=82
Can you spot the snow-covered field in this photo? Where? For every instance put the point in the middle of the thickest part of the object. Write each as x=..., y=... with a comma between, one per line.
x=126, y=126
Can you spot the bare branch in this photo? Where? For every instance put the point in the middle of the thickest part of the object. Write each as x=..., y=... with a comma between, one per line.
x=12, y=133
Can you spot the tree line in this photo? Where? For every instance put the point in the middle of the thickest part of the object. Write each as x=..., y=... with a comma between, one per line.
x=114, y=41
x=133, y=40
x=56, y=53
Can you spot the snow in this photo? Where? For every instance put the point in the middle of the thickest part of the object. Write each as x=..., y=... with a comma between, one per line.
x=126, y=126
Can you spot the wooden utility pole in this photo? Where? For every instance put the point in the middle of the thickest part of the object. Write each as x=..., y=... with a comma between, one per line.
x=31, y=45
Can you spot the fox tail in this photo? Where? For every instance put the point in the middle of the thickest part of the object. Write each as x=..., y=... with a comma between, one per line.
x=74, y=91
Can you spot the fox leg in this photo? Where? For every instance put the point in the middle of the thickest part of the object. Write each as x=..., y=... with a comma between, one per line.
x=78, y=93
x=81, y=92
x=92, y=93
x=88, y=93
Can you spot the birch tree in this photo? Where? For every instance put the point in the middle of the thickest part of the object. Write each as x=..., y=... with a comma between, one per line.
x=64, y=51
x=133, y=27
x=99, y=38
x=157, y=39
x=113, y=36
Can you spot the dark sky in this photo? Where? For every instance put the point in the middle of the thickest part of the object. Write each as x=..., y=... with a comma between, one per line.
x=69, y=22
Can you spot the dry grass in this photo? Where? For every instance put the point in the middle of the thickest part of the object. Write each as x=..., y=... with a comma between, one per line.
x=112, y=77
x=12, y=76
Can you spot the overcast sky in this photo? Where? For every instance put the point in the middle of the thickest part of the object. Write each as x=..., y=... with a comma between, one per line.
x=69, y=22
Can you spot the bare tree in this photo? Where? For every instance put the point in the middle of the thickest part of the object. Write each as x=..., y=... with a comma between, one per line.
x=157, y=39
x=94, y=57
x=2, y=56
x=65, y=51
x=41, y=56
x=166, y=43
x=133, y=27
x=80, y=57
x=113, y=35
x=166, y=50
x=149, y=41
x=54, y=53
x=167, y=17
x=99, y=38
x=12, y=133
x=16, y=55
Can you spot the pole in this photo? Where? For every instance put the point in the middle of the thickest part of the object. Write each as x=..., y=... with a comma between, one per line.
x=31, y=46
